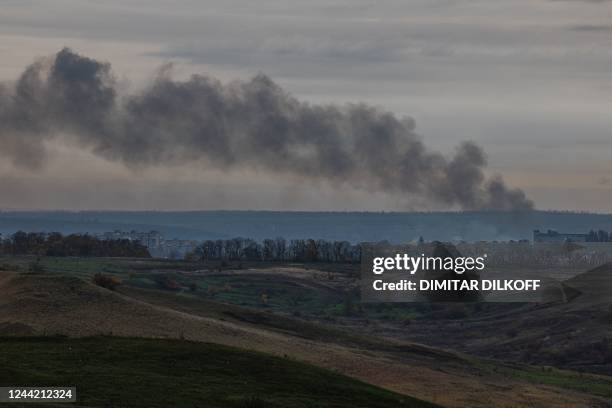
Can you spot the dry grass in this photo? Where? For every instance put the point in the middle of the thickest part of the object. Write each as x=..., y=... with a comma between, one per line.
x=52, y=304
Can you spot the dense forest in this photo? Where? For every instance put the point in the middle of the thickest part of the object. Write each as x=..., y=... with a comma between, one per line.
x=56, y=244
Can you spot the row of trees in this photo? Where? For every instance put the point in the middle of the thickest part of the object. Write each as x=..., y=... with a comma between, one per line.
x=279, y=249
x=56, y=244
x=599, y=236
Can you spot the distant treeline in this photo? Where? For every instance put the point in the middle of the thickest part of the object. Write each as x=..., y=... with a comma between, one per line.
x=56, y=244
x=599, y=236
x=279, y=249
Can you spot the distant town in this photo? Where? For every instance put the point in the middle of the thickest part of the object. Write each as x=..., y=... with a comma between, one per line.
x=154, y=241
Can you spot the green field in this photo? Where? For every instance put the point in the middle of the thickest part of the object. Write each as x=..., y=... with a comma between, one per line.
x=127, y=372
x=246, y=289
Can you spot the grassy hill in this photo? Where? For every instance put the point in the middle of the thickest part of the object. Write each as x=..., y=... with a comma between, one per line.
x=62, y=300
x=111, y=371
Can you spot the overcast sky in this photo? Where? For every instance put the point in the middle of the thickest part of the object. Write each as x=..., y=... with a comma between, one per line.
x=528, y=80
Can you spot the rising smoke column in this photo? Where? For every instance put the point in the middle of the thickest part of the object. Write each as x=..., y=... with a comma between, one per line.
x=251, y=124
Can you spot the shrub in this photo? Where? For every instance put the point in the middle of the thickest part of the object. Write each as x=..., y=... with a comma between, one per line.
x=457, y=312
x=450, y=311
x=513, y=332
x=36, y=267
x=348, y=307
x=253, y=402
x=165, y=282
x=106, y=281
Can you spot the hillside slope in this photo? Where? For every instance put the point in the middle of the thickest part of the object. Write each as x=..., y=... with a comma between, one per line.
x=111, y=371
x=594, y=287
x=574, y=335
x=53, y=304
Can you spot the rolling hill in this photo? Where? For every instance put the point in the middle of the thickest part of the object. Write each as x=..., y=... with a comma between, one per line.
x=112, y=371
x=51, y=304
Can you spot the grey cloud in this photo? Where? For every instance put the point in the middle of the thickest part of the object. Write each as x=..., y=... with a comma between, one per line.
x=592, y=27
x=252, y=125
x=581, y=1
x=418, y=42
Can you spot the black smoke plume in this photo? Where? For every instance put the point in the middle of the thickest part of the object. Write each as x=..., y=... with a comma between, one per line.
x=242, y=124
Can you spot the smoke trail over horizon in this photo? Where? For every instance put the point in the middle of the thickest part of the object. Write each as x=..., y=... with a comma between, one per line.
x=251, y=124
